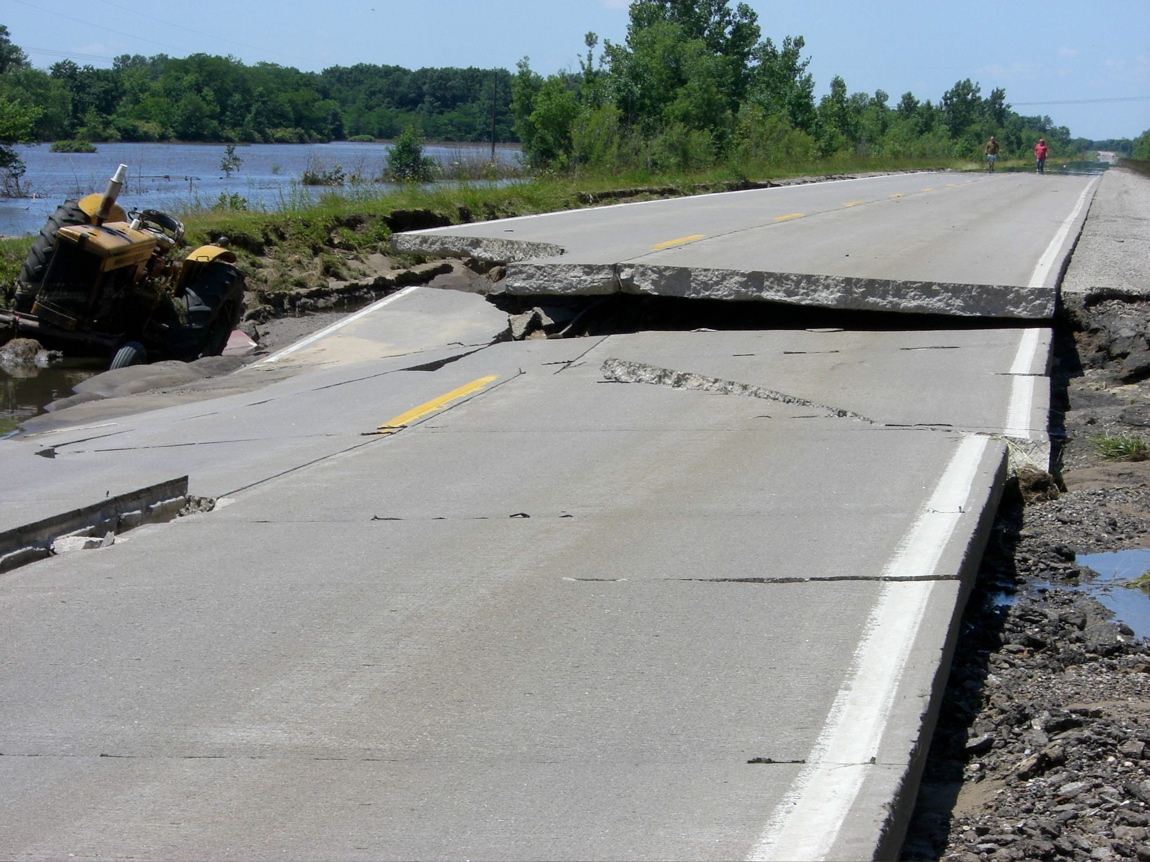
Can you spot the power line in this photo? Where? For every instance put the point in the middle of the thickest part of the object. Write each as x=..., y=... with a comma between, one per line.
x=69, y=55
x=199, y=32
x=90, y=23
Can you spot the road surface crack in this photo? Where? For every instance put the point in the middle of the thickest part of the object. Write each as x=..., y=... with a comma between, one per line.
x=821, y=580
x=625, y=371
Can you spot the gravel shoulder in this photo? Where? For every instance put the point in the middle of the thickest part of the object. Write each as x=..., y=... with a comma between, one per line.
x=1042, y=749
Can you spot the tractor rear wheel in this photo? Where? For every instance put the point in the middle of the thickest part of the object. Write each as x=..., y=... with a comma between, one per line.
x=40, y=255
x=213, y=305
x=132, y=353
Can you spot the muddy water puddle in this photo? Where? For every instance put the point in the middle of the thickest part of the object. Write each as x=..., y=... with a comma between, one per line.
x=25, y=395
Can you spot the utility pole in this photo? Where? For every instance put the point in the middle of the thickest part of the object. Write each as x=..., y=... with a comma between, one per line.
x=494, y=108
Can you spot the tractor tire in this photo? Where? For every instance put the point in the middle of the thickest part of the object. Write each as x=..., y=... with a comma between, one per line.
x=40, y=255
x=132, y=353
x=213, y=305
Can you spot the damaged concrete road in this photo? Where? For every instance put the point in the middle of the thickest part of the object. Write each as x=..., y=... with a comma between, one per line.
x=302, y=404
x=930, y=243
x=563, y=614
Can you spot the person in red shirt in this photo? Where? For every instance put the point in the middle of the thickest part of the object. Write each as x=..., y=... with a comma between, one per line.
x=1040, y=155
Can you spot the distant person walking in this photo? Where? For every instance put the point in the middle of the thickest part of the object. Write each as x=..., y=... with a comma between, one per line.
x=991, y=153
x=1040, y=152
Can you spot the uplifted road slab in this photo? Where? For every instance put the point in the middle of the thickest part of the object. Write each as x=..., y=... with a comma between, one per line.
x=926, y=243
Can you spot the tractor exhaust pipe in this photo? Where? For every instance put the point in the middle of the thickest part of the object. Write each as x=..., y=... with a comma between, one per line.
x=111, y=193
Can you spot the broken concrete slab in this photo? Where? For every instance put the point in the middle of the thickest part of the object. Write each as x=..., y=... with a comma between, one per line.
x=826, y=291
x=489, y=249
x=22, y=543
x=914, y=243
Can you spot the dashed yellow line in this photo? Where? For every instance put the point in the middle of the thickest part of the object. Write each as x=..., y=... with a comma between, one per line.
x=788, y=217
x=680, y=241
x=852, y=203
x=896, y=196
x=404, y=419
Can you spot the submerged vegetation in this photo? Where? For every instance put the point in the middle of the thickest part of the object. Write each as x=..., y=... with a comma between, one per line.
x=72, y=147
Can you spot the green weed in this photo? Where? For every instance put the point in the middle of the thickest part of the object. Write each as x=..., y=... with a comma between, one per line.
x=1142, y=582
x=1115, y=447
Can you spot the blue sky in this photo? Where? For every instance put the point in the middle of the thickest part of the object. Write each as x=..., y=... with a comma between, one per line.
x=1086, y=65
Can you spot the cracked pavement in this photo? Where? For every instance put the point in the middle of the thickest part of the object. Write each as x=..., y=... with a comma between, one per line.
x=653, y=595
x=967, y=245
x=480, y=633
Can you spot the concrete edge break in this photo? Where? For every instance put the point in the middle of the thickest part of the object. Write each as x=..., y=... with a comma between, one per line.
x=818, y=291
x=493, y=250
x=31, y=542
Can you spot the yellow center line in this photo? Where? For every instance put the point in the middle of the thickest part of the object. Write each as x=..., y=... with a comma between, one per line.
x=678, y=241
x=788, y=217
x=852, y=203
x=404, y=419
x=929, y=189
x=896, y=196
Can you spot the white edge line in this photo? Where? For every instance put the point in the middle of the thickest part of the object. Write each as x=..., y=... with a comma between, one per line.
x=326, y=331
x=1042, y=270
x=807, y=822
x=1018, y=418
x=1027, y=348
x=1021, y=405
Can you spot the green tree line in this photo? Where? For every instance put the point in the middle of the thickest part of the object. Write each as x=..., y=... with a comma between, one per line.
x=695, y=83
x=220, y=99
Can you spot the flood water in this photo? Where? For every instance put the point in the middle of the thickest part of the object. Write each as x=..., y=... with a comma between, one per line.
x=176, y=178
x=1111, y=587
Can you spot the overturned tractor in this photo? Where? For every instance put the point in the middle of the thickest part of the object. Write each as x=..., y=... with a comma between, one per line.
x=98, y=280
